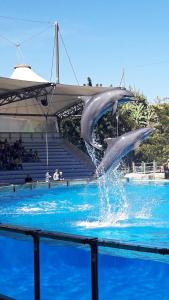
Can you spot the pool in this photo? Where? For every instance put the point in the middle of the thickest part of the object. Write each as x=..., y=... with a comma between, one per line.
x=75, y=209
x=136, y=213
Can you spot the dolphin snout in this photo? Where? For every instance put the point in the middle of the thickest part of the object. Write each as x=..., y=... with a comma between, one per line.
x=133, y=99
x=128, y=98
x=149, y=131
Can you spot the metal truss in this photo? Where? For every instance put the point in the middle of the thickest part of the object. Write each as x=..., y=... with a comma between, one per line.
x=36, y=92
x=71, y=111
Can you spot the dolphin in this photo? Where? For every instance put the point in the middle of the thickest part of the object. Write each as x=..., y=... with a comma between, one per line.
x=118, y=147
x=96, y=106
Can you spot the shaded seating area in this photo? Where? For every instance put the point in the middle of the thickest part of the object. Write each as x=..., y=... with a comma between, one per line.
x=31, y=107
x=62, y=155
x=12, y=155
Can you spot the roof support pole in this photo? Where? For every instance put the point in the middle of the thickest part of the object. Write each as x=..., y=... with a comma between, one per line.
x=46, y=143
x=57, y=51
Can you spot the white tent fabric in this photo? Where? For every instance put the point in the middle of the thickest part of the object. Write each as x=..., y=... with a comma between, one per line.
x=11, y=85
x=25, y=72
x=61, y=97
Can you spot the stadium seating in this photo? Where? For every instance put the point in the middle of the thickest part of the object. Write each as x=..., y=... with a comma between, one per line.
x=62, y=155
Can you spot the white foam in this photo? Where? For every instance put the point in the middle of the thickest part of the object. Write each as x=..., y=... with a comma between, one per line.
x=120, y=224
x=83, y=207
x=42, y=207
x=29, y=209
x=108, y=221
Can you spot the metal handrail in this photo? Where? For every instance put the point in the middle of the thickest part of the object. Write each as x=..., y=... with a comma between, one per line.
x=3, y=297
x=131, y=247
x=94, y=243
x=37, y=234
x=66, y=182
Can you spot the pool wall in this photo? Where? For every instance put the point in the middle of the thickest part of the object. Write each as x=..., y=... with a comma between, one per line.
x=38, y=264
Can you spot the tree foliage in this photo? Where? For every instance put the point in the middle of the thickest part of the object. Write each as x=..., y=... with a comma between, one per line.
x=157, y=147
x=129, y=117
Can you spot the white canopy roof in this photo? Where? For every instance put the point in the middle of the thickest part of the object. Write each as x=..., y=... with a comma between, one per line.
x=10, y=85
x=25, y=72
x=61, y=97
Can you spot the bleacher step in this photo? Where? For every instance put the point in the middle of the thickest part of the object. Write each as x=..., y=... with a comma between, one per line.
x=60, y=156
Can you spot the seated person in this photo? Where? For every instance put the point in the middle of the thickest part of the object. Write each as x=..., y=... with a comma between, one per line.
x=56, y=175
x=47, y=177
x=18, y=162
x=161, y=169
x=28, y=179
x=12, y=164
x=61, y=176
x=35, y=155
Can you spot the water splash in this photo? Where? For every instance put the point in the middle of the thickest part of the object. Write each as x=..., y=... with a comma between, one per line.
x=94, y=154
x=113, y=200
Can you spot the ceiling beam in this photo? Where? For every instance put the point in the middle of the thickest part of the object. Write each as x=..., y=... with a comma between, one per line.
x=37, y=91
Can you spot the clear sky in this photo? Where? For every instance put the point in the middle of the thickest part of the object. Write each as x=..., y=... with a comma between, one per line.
x=102, y=38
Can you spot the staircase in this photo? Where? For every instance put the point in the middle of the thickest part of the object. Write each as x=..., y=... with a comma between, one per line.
x=62, y=155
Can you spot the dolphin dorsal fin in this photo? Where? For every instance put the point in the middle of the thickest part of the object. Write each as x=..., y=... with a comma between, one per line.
x=110, y=141
x=85, y=99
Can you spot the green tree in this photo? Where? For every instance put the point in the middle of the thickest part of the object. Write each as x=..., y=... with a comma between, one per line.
x=157, y=147
x=130, y=116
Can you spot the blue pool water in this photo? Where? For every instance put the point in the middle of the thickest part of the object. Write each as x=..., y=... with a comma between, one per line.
x=138, y=213
x=76, y=209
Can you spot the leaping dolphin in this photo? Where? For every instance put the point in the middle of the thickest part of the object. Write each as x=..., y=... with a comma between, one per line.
x=117, y=148
x=96, y=106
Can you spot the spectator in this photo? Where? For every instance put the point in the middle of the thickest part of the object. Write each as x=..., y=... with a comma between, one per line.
x=35, y=156
x=18, y=162
x=47, y=177
x=56, y=175
x=28, y=179
x=12, y=164
x=162, y=169
x=12, y=155
x=5, y=142
x=61, y=176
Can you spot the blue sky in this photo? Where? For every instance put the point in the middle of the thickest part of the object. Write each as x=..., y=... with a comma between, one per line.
x=102, y=38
